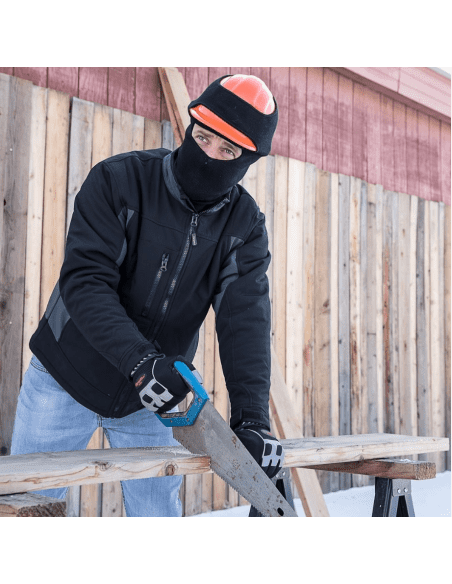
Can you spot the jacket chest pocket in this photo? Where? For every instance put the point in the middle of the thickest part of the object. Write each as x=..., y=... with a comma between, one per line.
x=155, y=284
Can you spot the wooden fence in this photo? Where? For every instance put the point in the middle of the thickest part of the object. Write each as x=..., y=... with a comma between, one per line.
x=359, y=280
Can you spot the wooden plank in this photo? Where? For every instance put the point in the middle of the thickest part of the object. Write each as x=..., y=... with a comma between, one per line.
x=122, y=140
x=379, y=310
x=294, y=309
x=334, y=313
x=412, y=143
x=208, y=382
x=423, y=157
x=16, y=98
x=34, y=220
x=386, y=467
x=137, y=133
x=279, y=251
x=344, y=313
x=93, y=84
x=345, y=125
x=91, y=495
x=359, y=147
x=27, y=472
x=394, y=312
x=441, y=331
x=55, y=185
x=447, y=322
x=288, y=424
x=308, y=298
x=64, y=79
x=387, y=142
x=437, y=357
x=297, y=112
x=279, y=86
x=152, y=134
x=434, y=142
x=102, y=133
x=400, y=149
x=373, y=136
x=31, y=505
x=80, y=150
x=403, y=270
x=371, y=301
x=121, y=88
x=321, y=315
x=356, y=411
x=445, y=164
x=336, y=449
x=37, y=75
x=177, y=99
x=329, y=120
x=314, y=99
x=412, y=365
x=147, y=100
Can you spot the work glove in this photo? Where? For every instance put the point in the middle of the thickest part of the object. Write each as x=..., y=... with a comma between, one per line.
x=159, y=384
x=263, y=447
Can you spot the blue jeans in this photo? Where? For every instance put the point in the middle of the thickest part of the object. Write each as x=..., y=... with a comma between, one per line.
x=48, y=419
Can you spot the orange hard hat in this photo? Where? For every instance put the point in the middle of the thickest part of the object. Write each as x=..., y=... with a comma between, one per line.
x=249, y=88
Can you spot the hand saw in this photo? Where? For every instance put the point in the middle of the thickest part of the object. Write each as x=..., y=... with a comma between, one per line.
x=202, y=430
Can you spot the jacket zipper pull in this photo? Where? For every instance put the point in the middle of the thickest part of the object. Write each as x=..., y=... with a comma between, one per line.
x=194, y=224
x=165, y=258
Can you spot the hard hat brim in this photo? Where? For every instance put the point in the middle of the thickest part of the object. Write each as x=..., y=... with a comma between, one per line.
x=208, y=118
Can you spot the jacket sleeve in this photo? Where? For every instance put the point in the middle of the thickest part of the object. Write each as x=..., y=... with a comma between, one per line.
x=243, y=324
x=89, y=277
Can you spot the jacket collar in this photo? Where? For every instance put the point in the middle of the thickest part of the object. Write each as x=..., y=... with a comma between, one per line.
x=177, y=192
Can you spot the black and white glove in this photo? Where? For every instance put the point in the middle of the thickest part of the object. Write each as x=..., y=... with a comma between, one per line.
x=159, y=384
x=262, y=445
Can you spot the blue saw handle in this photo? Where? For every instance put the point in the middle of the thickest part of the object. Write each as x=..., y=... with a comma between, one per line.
x=200, y=397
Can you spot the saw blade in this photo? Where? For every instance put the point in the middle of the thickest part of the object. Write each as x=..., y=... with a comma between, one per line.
x=210, y=435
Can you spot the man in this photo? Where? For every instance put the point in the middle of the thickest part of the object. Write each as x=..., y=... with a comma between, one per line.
x=156, y=238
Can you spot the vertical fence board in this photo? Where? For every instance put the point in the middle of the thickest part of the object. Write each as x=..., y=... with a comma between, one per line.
x=412, y=364
x=403, y=298
x=371, y=310
x=447, y=319
x=152, y=134
x=379, y=309
x=394, y=313
x=279, y=261
x=55, y=192
x=321, y=313
x=34, y=219
x=91, y=495
x=344, y=315
x=387, y=307
x=308, y=300
x=14, y=200
x=441, y=319
x=80, y=148
x=334, y=314
x=294, y=308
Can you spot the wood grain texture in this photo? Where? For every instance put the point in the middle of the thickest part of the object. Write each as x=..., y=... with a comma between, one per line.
x=288, y=424
x=400, y=148
x=14, y=199
x=359, y=146
x=330, y=121
x=93, y=84
x=385, y=467
x=373, y=136
x=279, y=86
x=371, y=309
x=121, y=85
x=37, y=75
x=31, y=505
x=412, y=154
x=394, y=313
x=34, y=220
x=91, y=495
x=344, y=313
x=345, y=126
x=308, y=298
x=387, y=142
x=294, y=308
x=380, y=384
x=24, y=472
x=314, y=98
x=447, y=322
x=147, y=93
x=55, y=192
x=64, y=79
x=297, y=113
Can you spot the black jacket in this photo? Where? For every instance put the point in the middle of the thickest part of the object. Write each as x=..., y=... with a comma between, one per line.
x=141, y=270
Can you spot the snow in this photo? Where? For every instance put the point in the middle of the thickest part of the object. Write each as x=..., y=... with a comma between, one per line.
x=431, y=498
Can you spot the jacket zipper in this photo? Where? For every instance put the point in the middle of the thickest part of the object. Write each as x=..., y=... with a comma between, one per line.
x=191, y=240
x=163, y=268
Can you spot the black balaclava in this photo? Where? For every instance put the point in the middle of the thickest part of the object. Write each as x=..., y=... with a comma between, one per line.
x=205, y=179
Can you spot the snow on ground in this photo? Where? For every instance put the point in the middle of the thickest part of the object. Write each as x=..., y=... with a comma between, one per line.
x=431, y=498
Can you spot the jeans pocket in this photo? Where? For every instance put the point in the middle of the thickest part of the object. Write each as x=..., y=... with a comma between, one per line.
x=36, y=363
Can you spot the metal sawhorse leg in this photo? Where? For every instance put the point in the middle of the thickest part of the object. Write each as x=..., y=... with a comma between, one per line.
x=393, y=498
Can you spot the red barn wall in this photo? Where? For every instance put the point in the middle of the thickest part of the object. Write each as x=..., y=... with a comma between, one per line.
x=385, y=125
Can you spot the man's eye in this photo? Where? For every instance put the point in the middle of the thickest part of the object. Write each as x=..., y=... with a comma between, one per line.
x=229, y=152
